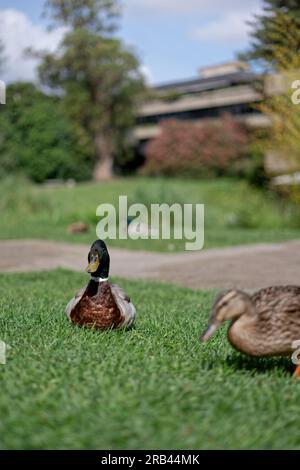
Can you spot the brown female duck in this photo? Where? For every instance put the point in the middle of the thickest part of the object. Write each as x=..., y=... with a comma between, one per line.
x=100, y=304
x=266, y=323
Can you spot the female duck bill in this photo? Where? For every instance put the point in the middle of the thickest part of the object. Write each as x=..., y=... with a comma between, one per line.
x=210, y=330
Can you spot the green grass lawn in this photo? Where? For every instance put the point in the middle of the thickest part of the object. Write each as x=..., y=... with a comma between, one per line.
x=235, y=213
x=155, y=386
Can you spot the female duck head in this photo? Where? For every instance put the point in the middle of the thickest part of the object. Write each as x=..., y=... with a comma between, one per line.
x=229, y=305
x=99, y=260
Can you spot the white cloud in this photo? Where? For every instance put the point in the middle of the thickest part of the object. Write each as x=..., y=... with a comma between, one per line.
x=219, y=21
x=147, y=73
x=230, y=28
x=201, y=7
x=19, y=33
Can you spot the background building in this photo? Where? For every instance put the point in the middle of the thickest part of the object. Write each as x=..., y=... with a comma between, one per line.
x=226, y=88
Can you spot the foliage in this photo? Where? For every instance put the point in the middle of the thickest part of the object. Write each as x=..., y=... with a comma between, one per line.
x=275, y=32
x=235, y=212
x=253, y=167
x=278, y=44
x=98, y=16
x=284, y=135
x=158, y=193
x=98, y=75
x=26, y=198
x=183, y=148
x=172, y=95
x=35, y=138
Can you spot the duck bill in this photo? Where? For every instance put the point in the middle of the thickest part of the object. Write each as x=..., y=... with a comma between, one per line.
x=210, y=330
x=92, y=267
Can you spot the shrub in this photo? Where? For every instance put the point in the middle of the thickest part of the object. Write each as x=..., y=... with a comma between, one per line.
x=253, y=167
x=25, y=198
x=189, y=149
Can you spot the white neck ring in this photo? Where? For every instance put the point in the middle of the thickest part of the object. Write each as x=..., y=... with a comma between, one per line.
x=99, y=279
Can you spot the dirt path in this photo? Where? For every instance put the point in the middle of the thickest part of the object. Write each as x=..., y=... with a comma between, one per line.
x=247, y=267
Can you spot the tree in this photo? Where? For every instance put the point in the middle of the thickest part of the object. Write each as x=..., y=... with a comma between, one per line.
x=271, y=34
x=283, y=138
x=99, y=77
x=277, y=43
x=36, y=139
x=98, y=16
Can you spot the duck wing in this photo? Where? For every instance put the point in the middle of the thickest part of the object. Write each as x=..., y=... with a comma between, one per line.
x=280, y=300
x=73, y=302
x=127, y=309
x=278, y=309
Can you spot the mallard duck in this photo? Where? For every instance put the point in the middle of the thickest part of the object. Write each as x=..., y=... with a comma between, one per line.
x=266, y=323
x=100, y=304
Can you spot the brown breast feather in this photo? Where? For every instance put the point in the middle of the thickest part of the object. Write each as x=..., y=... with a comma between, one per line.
x=97, y=308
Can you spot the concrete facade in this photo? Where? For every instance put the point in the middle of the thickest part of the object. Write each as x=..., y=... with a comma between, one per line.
x=228, y=87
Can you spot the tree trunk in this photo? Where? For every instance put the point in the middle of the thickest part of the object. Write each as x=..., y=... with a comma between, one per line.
x=104, y=166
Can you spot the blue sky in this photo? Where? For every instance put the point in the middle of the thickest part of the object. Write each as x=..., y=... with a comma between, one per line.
x=173, y=38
